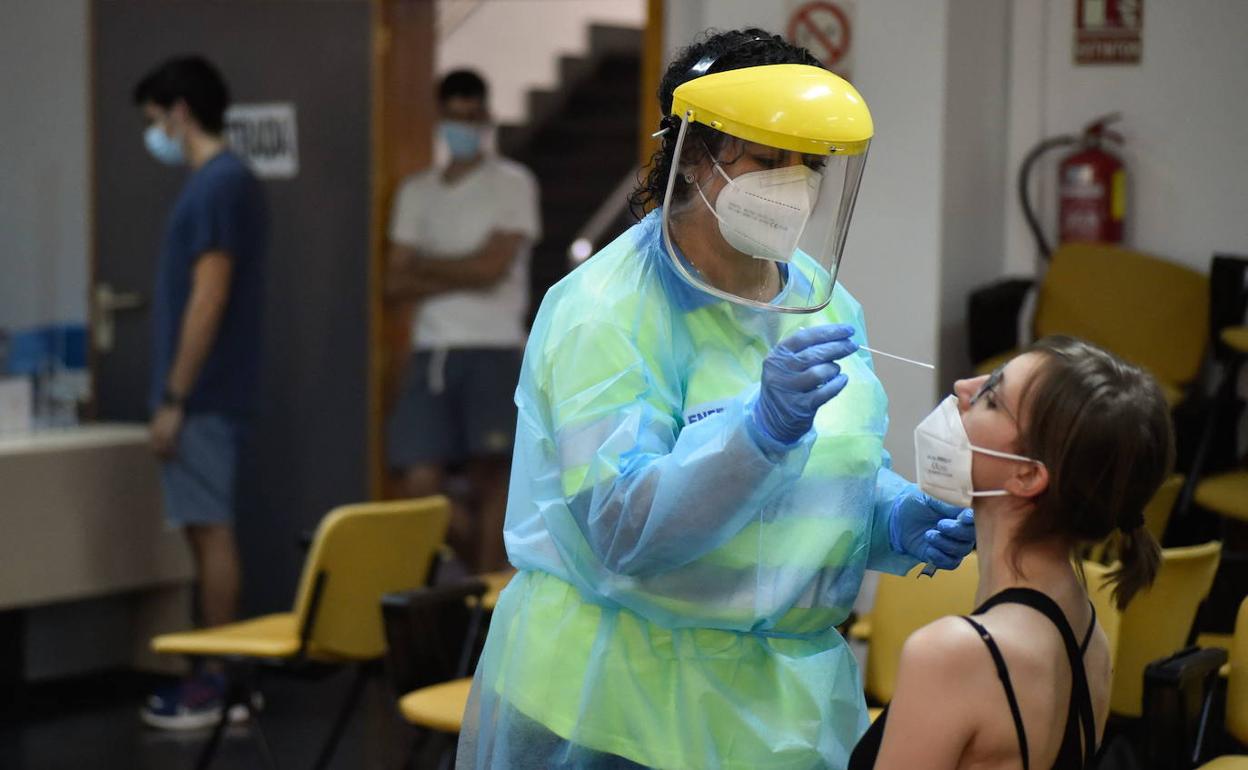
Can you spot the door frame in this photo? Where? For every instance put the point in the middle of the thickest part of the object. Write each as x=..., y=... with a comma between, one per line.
x=403, y=44
x=651, y=73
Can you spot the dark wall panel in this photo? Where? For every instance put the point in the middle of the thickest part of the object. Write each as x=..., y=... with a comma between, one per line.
x=308, y=452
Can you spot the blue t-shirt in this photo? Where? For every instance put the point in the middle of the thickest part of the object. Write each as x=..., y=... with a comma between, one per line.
x=221, y=208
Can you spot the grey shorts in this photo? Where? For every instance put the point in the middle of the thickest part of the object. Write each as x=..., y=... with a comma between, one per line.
x=454, y=405
x=199, y=480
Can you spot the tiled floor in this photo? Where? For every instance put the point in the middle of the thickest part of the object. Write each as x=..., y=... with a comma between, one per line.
x=93, y=723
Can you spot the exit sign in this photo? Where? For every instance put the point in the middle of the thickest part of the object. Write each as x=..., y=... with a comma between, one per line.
x=1108, y=31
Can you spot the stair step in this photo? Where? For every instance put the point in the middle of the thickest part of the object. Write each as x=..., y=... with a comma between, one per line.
x=574, y=70
x=582, y=139
x=615, y=38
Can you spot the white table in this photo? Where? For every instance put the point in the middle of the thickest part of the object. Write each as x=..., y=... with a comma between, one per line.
x=81, y=527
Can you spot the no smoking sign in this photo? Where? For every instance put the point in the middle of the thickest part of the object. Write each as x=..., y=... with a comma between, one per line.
x=825, y=29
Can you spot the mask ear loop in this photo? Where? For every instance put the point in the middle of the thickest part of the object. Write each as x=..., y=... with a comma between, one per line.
x=715, y=165
x=697, y=186
x=1003, y=456
x=715, y=213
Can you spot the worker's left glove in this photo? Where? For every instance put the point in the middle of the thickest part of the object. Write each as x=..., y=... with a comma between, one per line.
x=930, y=530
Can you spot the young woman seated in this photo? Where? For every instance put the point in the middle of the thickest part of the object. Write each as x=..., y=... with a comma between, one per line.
x=1068, y=443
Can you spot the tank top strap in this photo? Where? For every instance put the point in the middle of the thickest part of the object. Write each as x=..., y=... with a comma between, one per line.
x=1087, y=637
x=1080, y=695
x=1003, y=673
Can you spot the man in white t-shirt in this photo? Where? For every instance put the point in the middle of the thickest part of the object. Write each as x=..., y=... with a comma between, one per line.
x=460, y=237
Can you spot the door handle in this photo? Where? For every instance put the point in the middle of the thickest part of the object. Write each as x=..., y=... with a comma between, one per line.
x=107, y=303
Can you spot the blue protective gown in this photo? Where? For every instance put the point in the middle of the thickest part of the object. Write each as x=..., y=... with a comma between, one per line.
x=679, y=587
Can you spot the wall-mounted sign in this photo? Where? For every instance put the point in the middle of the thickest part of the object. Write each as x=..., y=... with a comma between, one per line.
x=1108, y=31
x=266, y=136
x=825, y=29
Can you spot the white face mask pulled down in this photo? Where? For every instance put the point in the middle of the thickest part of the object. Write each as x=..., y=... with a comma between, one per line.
x=942, y=455
x=763, y=213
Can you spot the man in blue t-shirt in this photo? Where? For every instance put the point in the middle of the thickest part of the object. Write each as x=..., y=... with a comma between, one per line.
x=206, y=319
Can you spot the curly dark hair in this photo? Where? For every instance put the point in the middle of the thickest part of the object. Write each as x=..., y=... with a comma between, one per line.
x=750, y=47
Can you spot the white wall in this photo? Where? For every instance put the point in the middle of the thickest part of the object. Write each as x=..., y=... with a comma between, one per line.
x=1184, y=112
x=973, y=210
x=44, y=173
x=892, y=261
x=892, y=256
x=516, y=44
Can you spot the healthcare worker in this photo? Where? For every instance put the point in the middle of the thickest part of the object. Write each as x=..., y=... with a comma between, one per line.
x=700, y=478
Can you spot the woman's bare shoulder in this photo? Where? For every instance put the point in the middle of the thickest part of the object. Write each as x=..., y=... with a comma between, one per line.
x=949, y=642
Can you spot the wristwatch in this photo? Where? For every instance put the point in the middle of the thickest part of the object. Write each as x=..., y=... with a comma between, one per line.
x=169, y=398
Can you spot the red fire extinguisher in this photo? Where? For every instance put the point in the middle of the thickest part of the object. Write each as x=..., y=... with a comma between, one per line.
x=1092, y=187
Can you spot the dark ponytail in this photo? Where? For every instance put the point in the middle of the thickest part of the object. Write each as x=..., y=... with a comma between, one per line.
x=1139, y=557
x=1102, y=428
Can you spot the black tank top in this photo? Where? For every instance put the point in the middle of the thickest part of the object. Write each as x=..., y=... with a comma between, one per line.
x=1075, y=752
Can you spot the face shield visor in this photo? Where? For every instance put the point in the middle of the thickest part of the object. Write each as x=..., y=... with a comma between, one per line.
x=756, y=216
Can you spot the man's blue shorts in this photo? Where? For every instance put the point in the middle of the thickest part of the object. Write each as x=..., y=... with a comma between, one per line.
x=455, y=405
x=199, y=480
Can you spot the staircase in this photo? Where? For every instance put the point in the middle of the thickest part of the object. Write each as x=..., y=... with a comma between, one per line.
x=580, y=141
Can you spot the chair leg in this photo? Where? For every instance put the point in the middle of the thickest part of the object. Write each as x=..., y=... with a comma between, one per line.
x=235, y=692
x=419, y=739
x=447, y=756
x=257, y=734
x=209, y=752
x=344, y=716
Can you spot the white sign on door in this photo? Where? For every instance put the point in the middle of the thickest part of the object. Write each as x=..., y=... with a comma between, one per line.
x=266, y=136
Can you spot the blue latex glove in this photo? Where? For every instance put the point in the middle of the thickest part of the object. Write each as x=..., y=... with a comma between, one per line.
x=930, y=530
x=800, y=375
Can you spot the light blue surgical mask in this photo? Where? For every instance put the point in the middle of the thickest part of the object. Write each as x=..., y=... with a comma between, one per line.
x=462, y=139
x=163, y=147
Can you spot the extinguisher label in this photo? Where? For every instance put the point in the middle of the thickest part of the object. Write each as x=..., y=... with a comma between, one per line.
x=1118, y=196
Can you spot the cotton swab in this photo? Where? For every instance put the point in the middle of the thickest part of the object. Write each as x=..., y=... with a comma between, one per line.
x=899, y=358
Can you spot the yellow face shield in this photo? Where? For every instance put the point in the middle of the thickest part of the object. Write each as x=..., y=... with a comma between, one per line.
x=760, y=194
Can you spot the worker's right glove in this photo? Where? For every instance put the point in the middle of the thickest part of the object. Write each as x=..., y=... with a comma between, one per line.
x=800, y=375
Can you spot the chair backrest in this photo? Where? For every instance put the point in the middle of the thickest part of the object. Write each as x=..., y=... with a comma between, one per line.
x=432, y=633
x=903, y=605
x=1237, y=683
x=1101, y=595
x=1228, y=296
x=1158, y=509
x=1158, y=621
x=1147, y=310
x=361, y=552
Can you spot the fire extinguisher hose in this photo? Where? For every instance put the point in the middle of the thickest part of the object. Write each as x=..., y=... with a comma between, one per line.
x=1024, y=194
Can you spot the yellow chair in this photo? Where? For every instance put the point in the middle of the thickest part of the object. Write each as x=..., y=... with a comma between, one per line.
x=359, y=553
x=903, y=605
x=1227, y=494
x=1107, y=613
x=1147, y=310
x=1156, y=623
x=433, y=636
x=1236, y=695
x=495, y=582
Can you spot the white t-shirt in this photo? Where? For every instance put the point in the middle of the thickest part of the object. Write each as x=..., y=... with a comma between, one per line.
x=453, y=221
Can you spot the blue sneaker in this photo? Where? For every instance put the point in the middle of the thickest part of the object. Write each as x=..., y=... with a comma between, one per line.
x=191, y=704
